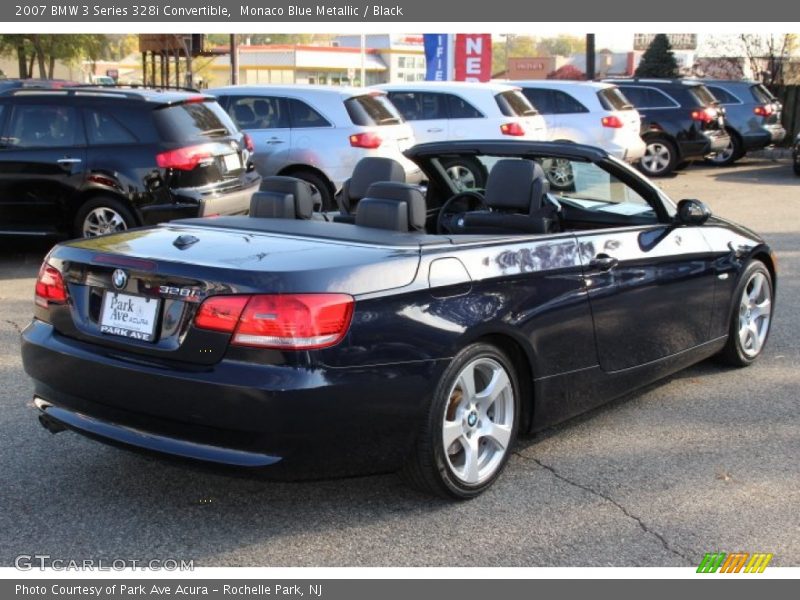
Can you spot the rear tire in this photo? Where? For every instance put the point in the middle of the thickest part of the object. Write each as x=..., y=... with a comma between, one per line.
x=466, y=439
x=660, y=157
x=102, y=215
x=751, y=316
x=320, y=184
x=468, y=174
x=728, y=155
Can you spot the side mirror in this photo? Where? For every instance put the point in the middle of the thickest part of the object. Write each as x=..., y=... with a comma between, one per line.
x=693, y=212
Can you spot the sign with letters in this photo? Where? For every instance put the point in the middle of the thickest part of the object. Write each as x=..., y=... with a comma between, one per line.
x=473, y=57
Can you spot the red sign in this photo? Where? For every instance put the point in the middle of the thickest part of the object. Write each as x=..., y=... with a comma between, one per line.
x=473, y=57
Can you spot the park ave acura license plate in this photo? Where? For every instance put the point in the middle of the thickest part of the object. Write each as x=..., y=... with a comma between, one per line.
x=129, y=316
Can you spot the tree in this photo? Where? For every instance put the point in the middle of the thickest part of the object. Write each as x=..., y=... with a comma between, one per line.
x=767, y=54
x=561, y=45
x=43, y=51
x=570, y=72
x=658, y=60
x=515, y=46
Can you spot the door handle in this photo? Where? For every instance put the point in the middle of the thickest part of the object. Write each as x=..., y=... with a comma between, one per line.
x=68, y=161
x=435, y=130
x=275, y=141
x=603, y=262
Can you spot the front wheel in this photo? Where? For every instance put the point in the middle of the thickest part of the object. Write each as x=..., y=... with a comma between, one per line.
x=472, y=422
x=751, y=316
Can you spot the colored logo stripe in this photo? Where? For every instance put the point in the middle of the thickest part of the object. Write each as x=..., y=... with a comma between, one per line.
x=734, y=562
x=758, y=563
x=711, y=562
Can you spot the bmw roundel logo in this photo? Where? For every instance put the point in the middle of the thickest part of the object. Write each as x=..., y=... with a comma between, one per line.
x=119, y=278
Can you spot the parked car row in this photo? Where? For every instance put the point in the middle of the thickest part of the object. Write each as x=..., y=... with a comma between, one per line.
x=86, y=161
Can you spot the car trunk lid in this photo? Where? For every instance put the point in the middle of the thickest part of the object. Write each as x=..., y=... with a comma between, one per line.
x=158, y=277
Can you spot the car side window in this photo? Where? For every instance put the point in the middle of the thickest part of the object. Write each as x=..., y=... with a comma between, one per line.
x=458, y=108
x=646, y=97
x=43, y=126
x=303, y=116
x=542, y=100
x=724, y=96
x=420, y=106
x=566, y=104
x=103, y=129
x=259, y=112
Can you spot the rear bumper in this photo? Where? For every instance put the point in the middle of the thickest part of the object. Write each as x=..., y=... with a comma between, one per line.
x=188, y=203
x=629, y=152
x=293, y=422
x=766, y=136
x=717, y=140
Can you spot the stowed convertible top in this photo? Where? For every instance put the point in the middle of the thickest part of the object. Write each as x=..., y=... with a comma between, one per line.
x=343, y=232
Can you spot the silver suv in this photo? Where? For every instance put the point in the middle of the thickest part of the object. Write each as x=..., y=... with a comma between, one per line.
x=318, y=133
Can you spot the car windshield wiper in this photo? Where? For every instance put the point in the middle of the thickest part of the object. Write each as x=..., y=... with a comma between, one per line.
x=389, y=120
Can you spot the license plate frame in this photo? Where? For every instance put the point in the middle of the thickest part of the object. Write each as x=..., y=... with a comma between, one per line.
x=232, y=162
x=129, y=316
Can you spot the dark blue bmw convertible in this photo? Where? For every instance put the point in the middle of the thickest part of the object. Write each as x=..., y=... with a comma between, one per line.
x=418, y=328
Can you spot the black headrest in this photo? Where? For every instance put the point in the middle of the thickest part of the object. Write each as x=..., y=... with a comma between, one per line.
x=372, y=169
x=284, y=197
x=517, y=184
x=402, y=192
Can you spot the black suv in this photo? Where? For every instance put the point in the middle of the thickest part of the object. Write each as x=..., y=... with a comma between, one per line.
x=681, y=121
x=90, y=161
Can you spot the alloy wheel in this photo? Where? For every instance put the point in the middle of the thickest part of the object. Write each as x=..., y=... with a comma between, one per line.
x=103, y=220
x=463, y=177
x=657, y=157
x=559, y=172
x=755, y=311
x=478, y=421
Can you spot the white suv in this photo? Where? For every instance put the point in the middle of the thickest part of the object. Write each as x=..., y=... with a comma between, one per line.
x=585, y=112
x=318, y=133
x=441, y=111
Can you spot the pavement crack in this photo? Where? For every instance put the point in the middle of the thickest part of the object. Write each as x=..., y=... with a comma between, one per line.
x=642, y=525
x=13, y=324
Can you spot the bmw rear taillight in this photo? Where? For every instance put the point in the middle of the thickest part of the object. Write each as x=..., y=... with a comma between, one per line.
x=705, y=115
x=367, y=140
x=763, y=110
x=613, y=121
x=514, y=129
x=184, y=159
x=248, y=143
x=220, y=313
x=50, y=288
x=282, y=321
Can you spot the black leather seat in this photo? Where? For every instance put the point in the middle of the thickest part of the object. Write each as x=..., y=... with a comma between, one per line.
x=515, y=195
x=394, y=206
x=369, y=170
x=284, y=198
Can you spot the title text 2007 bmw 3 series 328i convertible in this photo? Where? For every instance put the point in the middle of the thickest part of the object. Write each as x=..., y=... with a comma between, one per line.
x=421, y=329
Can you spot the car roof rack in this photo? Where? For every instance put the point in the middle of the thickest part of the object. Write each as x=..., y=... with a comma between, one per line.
x=138, y=86
x=98, y=90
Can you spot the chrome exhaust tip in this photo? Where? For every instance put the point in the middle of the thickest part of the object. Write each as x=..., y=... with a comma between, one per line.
x=45, y=420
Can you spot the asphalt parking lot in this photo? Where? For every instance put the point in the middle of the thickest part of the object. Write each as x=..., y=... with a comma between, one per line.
x=708, y=460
